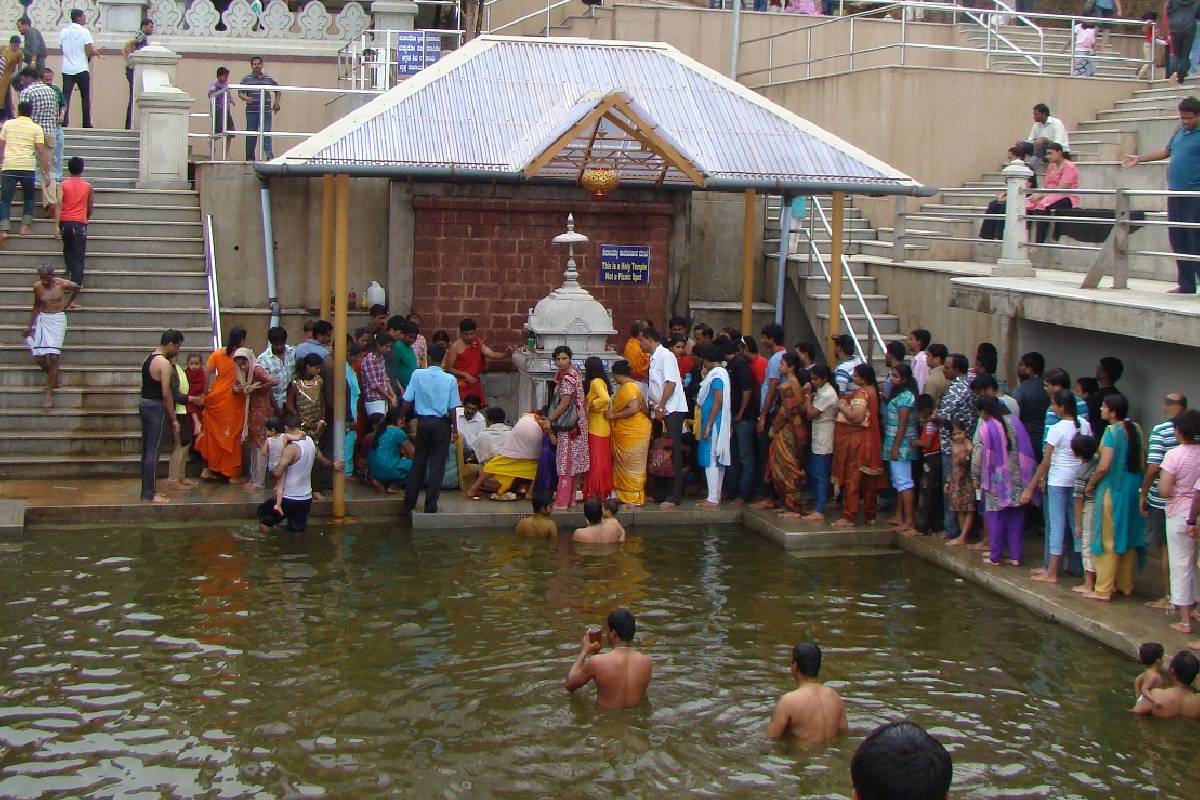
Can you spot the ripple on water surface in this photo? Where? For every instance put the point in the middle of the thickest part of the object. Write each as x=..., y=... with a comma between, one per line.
x=362, y=662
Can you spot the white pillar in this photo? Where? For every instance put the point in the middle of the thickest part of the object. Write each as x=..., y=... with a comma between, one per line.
x=122, y=16
x=162, y=116
x=392, y=15
x=1014, y=260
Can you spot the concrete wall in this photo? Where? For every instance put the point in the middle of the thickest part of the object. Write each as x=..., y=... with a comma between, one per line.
x=1151, y=368
x=715, y=272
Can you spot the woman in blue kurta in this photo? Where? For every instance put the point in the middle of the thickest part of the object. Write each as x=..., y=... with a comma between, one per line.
x=390, y=458
x=712, y=452
x=1119, y=530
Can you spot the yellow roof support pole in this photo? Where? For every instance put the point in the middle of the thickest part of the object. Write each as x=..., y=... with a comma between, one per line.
x=341, y=239
x=748, y=246
x=326, y=247
x=835, y=274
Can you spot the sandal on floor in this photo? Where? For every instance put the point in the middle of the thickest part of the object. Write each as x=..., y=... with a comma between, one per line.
x=507, y=497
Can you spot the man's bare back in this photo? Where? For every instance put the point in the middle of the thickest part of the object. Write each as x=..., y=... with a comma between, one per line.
x=1177, y=701
x=812, y=713
x=621, y=676
x=600, y=533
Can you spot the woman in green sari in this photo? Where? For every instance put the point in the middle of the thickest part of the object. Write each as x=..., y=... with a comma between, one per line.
x=1119, y=530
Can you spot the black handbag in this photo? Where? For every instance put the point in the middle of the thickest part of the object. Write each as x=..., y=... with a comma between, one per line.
x=566, y=421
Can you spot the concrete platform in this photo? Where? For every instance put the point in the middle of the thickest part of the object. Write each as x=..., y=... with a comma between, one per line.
x=457, y=512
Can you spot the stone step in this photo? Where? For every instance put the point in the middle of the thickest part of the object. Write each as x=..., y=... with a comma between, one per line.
x=42, y=242
x=14, y=255
x=888, y=324
x=850, y=223
x=816, y=284
x=77, y=399
x=84, y=334
x=139, y=214
x=72, y=376
x=99, y=355
x=112, y=280
x=78, y=466
x=131, y=299
x=125, y=230
x=102, y=133
x=68, y=421
x=806, y=266
x=77, y=443
x=877, y=303
x=171, y=313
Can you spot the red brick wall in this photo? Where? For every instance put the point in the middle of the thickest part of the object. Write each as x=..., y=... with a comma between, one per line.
x=493, y=259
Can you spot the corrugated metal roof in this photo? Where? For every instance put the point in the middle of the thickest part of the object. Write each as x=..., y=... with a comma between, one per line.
x=486, y=109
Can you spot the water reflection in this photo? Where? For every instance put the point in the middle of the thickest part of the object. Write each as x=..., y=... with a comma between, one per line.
x=362, y=662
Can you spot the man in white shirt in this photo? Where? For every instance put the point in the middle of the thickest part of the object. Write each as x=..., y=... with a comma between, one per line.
x=78, y=49
x=667, y=403
x=821, y=408
x=1046, y=129
x=470, y=422
x=918, y=340
x=489, y=441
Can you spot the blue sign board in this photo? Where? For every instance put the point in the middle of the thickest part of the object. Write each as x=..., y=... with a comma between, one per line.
x=624, y=263
x=416, y=50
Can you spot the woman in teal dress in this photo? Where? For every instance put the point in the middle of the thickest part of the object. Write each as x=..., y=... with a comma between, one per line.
x=1119, y=531
x=390, y=458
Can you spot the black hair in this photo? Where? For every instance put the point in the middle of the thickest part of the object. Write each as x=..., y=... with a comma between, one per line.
x=621, y=368
x=991, y=406
x=437, y=353
x=310, y=360
x=24, y=109
x=807, y=349
x=819, y=371
x=1066, y=401
x=170, y=336
x=467, y=324
x=937, y=350
x=925, y=402
x=146, y=21
x=1056, y=146
x=1119, y=407
x=1083, y=446
x=774, y=332
x=274, y=424
x=222, y=71
x=1150, y=652
x=1058, y=377
x=396, y=322
x=234, y=339
x=635, y=327
x=896, y=349
x=907, y=382
x=1042, y=107
x=900, y=761
x=1150, y=16
x=562, y=348
x=621, y=622
x=1112, y=367
x=793, y=361
x=1185, y=665
x=440, y=337
x=540, y=502
x=706, y=352
x=29, y=72
x=959, y=362
x=277, y=335
x=376, y=310
x=382, y=340
x=24, y=20
x=1187, y=425
x=923, y=336
x=291, y=421
x=1088, y=385
x=867, y=372
x=474, y=400
x=676, y=339
x=750, y=344
x=650, y=333
x=394, y=416
x=494, y=415
x=705, y=329
x=1190, y=105
x=987, y=360
x=593, y=369
x=678, y=322
x=592, y=510
x=984, y=381
x=845, y=343
x=322, y=327
x=1035, y=361
x=612, y=505
x=807, y=658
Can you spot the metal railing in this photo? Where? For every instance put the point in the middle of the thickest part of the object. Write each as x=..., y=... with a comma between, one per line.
x=1112, y=255
x=379, y=59
x=996, y=44
x=550, y=6
x=210, y=277
x=219, y=135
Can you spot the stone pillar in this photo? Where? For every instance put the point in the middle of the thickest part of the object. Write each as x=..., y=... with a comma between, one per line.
x=1014, y=260
x=122, y=16
x=162, y=116
x=392, y=15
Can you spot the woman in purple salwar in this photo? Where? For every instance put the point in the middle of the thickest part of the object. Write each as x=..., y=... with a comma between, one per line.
x=1002, y=465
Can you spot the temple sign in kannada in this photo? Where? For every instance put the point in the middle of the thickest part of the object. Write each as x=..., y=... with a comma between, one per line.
x=624, y=263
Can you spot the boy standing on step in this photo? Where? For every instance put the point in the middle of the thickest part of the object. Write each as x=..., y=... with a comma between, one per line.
x=48, y=325
x=71, y=216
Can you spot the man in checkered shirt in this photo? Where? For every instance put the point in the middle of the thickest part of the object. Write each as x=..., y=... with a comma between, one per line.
x=45, y=114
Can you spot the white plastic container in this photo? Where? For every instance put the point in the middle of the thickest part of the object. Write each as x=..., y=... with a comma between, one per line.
x=376, y=295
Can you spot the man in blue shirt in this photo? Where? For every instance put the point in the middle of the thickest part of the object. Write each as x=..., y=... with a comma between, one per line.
x=432, y=395
x=1183, y=175
x=321, y=341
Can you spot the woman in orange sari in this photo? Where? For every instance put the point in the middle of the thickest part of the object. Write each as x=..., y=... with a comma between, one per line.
x=857, y=448
x=789, y=438
x=224, y=413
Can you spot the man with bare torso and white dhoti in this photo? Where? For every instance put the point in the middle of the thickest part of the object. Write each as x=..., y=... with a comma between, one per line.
x=48, y=325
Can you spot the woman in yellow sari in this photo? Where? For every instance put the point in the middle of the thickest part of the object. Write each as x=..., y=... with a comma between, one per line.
x=630, y=437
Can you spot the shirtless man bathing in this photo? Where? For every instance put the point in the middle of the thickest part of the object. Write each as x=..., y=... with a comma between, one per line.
x=811, y=712
x=622, y=674
x=48, y=325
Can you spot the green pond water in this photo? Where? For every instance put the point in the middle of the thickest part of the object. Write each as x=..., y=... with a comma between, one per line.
x=367, y=661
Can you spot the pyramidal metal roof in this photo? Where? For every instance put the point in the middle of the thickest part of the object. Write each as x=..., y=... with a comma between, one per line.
x=488, y=110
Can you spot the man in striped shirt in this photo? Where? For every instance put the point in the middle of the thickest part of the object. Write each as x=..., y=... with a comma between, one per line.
x=1154, y=508
x=378, y=396
x=45, y=113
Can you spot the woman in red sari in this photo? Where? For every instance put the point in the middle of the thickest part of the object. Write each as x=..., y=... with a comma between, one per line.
x=571, y=459
x=857, y=448
x=789, y=438
x=224, y=413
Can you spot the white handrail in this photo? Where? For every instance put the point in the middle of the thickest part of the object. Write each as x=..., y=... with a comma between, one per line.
x=531, y=15
x=862, y=302
x=815, y=253
x=210, y=276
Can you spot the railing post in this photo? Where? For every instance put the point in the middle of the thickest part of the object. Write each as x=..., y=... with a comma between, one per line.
x=1071, y=46
x=851, y=43
x=898, y=229
x=1014, y=260
x=1121, y=231
x=808, y=50
x=770, y=60
x=903, y=33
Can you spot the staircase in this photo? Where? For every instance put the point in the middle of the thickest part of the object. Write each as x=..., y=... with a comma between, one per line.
x=145, y=273
x=1141, y=123
x=1054, y=55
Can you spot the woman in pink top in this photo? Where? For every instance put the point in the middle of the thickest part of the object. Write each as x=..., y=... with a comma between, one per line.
x=1060, y=174
x=1180, y=471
